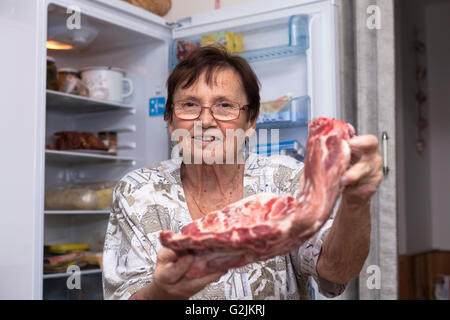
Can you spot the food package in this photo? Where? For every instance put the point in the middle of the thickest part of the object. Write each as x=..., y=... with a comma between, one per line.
x=238, y=42
x=60, y=263
x=58, y=257
x=97, y=196
x=74, y=140
x=52, y=74
x=93, y=258
x=185, y=48
x=159, y=7
x=70, y=82
x=274, y=106
x=105, y=198
x=71, y=199
x=233, y=42
x=66, y=248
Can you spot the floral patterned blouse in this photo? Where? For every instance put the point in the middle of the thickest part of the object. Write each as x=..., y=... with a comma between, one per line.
x=151, y=199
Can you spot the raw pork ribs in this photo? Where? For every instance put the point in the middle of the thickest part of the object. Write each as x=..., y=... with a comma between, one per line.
x=266, y=225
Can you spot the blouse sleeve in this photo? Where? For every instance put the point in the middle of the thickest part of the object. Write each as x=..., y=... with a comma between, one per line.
x=305, y=258
x=129, y=254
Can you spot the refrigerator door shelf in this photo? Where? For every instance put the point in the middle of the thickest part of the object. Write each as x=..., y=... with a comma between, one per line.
x=294, y=112
x=297, y=43
x=250, y=55
x=291, y=148
x=271, y=53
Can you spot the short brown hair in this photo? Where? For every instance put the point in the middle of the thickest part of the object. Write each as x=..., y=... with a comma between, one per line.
x=210, y=59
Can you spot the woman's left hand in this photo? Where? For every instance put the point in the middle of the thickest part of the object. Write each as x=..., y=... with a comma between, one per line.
x=362, y=179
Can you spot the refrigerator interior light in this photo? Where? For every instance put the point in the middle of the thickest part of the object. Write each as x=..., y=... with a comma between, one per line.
x=60, y=36
x=56, y=45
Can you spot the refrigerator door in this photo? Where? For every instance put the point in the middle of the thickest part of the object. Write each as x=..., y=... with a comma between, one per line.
x=256, y=19
x=21, y=129
x=27, y=119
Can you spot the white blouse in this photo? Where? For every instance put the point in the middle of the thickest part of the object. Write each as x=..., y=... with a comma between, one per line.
x=151, y=199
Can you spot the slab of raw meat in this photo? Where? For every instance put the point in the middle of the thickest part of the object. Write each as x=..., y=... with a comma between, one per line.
x=267, y=225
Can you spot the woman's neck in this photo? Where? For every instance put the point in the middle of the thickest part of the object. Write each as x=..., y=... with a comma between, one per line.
x=203, y=179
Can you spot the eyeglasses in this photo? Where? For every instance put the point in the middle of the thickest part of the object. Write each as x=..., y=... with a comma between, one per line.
x=222, y=111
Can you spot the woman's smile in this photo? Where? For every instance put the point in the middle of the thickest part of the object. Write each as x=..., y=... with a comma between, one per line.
x=206, y=140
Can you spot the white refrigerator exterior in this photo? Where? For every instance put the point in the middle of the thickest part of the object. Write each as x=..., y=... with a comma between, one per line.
x=143, y=42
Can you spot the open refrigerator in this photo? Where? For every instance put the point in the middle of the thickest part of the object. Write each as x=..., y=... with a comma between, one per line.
x=291, y=45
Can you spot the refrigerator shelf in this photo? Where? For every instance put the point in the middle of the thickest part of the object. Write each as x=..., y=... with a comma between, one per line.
x=65, y=275
x=69, y=103
x=288, y=113
x=77, y=212
x=78, y=157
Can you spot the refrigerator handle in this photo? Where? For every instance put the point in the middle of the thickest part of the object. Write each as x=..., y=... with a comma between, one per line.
x=384, y=139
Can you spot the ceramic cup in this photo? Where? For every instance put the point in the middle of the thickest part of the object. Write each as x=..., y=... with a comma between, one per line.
x=106, y=83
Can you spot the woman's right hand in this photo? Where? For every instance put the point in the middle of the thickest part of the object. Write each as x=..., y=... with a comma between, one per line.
x=170, y=281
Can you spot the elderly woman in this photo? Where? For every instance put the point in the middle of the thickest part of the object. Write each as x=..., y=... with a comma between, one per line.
x=212, y=94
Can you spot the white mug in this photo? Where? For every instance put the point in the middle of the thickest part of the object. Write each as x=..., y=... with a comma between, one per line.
x=106, y=83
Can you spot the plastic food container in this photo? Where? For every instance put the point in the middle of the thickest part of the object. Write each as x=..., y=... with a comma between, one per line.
x=67, y=248
x=70, y=82
x=109, y=139
x=52, y=74
x=80, y=196
x=276, y=110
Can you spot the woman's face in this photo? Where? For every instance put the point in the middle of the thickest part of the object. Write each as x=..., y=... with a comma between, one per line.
x=205, y=139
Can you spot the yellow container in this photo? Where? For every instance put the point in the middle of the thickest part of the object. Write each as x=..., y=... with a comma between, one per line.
x=66, y=248
x=222, y=38
x=238, y=42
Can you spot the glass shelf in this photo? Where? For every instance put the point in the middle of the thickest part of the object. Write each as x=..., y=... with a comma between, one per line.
x=77, y=212
x=78, y=157
x=289, y=113
x=66, y=275
x=69, y=103
x=55, y=286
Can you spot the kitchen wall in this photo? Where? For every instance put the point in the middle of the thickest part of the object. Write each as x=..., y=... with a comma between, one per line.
x=413, y=168
x=423, y=179
x=183, y=8
x=438, y=45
